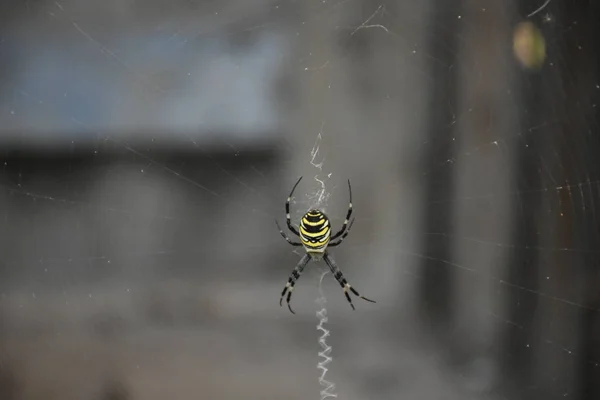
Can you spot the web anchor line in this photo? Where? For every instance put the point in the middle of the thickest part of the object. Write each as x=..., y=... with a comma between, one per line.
x=324, y=355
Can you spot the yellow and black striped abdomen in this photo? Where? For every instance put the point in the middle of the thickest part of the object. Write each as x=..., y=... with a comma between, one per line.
x=315, y=231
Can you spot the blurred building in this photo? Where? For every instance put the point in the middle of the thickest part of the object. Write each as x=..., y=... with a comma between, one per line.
x=147, y=149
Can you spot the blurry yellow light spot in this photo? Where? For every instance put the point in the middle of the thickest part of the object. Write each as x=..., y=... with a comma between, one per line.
x=529, y=45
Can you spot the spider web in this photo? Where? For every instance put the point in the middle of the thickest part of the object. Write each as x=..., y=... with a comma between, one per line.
x=147, y=148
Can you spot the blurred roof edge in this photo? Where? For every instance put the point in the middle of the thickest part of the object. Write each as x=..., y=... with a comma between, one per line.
x=158, y=141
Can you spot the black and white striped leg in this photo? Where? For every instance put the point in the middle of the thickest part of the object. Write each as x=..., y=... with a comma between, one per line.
x=343, y=236
x=294, y=276
x=287, y=210
x=337, y=274
x=286, y=236
x=348, y=215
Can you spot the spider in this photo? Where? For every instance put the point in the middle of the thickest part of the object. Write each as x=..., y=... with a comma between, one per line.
x=315, y=236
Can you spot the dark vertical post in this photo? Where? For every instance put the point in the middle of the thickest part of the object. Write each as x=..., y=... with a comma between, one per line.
x=559, y=98
x=436, y=282
x=523, y=261
x=578, y=150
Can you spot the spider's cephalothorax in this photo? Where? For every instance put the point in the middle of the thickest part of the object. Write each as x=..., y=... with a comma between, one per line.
x=315, y=236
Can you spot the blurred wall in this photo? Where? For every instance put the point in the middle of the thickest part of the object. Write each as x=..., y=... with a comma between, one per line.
x=147, y=149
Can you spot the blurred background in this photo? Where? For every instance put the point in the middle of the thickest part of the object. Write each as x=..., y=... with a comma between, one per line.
x=147, y=147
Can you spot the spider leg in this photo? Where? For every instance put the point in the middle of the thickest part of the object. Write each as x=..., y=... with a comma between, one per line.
x=337, y=274
x=343, y=236
x=294, y=276
x=287, y=210
x=286, y=236
x=348, y=215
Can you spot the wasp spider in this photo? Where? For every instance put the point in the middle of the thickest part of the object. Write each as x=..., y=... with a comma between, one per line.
x=315, y=236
